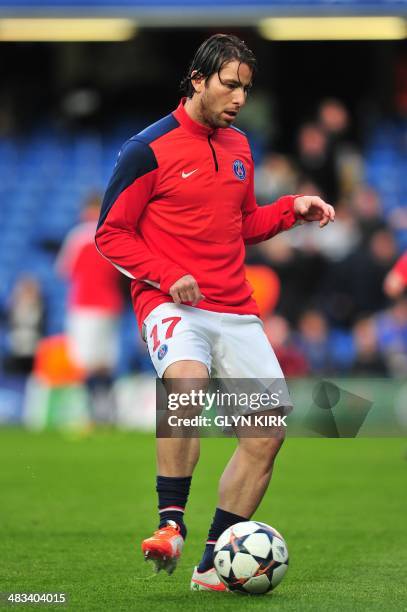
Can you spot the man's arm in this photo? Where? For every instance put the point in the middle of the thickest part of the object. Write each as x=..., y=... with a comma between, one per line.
x=262, y=222
x=69, y=252
x=117, y=239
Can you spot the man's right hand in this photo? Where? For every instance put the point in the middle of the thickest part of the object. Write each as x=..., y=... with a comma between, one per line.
x=186, y=289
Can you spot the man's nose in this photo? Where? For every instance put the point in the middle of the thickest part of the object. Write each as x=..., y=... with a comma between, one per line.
x=239, y=96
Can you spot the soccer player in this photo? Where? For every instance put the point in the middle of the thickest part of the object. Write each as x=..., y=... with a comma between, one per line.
x=176, y=216
x=95, y=305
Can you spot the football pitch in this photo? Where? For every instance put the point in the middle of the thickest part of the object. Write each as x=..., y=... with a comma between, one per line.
x=73, y=513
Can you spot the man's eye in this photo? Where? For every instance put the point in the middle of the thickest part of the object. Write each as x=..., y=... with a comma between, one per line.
x=233, y=86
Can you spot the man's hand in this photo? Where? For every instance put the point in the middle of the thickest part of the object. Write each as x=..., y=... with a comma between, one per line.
x=313, y=208
x=186, y=290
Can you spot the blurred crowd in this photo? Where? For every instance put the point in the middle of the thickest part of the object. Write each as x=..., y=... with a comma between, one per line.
x=336, y=313
x=333, y=300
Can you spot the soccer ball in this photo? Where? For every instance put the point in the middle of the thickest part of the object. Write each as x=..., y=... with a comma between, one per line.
x=251, y=558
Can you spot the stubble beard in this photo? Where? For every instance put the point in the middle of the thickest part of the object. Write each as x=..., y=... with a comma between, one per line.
x=211, y=119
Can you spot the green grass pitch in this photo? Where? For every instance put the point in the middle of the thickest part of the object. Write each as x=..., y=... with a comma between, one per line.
x=73, y=513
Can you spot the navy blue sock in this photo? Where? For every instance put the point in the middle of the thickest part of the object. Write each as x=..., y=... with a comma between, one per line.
x=172, y=499
x=221, y=521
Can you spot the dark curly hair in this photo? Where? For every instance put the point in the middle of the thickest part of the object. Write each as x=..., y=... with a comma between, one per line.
x=213, y=54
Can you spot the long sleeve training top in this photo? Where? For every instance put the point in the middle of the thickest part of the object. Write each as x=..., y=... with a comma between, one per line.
x=181, y=201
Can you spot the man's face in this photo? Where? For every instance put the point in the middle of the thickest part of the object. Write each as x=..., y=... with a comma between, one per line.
x=221, y=96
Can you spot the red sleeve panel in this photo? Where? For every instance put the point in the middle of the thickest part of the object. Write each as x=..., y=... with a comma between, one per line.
x=262, y=222
x=131, y=188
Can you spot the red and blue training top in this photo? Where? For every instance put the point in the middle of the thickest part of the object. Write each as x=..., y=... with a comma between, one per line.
x=181, y=201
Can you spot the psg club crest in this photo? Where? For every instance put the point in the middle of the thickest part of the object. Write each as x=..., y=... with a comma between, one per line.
x=239, y=169
x=162, y=351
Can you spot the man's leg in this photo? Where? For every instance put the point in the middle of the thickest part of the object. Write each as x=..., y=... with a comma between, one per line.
x=242, y=487
x=93, y=344
x=176, y=460
x=247, y=475
x=99, y=385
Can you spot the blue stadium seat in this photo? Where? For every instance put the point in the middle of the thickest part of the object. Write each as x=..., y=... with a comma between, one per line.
x=386, y=160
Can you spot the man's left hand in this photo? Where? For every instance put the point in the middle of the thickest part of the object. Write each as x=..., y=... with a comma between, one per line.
x=313, y=208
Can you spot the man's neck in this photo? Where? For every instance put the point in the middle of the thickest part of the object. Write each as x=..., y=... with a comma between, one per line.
x=192, y=109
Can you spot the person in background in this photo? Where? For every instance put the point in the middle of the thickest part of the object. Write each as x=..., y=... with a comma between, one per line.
x=291, y=358
x=313, y=341
x=25, y=322
x=274, y=177
x=334, y=120
x=315, y=160
x=95, y=304
x=361, y=291
x=391, y=325
x=366, y=209
x=368, y=359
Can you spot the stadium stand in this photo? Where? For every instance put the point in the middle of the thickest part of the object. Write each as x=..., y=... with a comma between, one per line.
x=45, y=177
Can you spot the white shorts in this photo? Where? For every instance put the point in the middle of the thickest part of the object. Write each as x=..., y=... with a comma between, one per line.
x=230, y=345
x=93, y=339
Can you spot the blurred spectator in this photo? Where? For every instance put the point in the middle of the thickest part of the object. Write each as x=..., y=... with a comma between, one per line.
x=95, y=303
x=315, y=161
x=277, y=251
x=258, y=118
x=290, y=357
x=275, y=176
x=313, y=341
x=392, y=337
x=306, y=186
x=368, y=359
x=299, y=273
x=343, y=268
x=397, y=220
x=366, y=208
x=354, y=285
x=335, y=242
x=26, y=321
x=334, y=120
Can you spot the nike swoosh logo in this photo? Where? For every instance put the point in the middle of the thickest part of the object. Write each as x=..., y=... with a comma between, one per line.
x=187, y=174
x=208, y=585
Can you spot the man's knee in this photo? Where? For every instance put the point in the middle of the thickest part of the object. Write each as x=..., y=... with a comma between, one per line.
x=186, y=369
x=184, y=382
x=185, y=376
x=263, y=450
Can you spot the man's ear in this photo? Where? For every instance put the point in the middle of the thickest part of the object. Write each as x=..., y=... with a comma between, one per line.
x=198, y=81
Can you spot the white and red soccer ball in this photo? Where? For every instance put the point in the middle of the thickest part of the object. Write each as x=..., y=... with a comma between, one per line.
x=251, y=557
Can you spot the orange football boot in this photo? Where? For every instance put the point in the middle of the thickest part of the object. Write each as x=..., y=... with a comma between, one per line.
x=164, y=547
